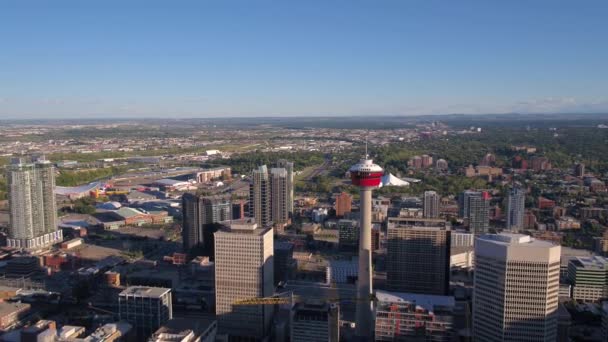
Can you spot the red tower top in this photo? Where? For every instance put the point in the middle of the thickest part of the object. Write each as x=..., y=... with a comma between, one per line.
x=366, y=174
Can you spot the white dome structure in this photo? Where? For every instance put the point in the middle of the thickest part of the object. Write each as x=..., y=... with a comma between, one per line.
x=390, y=180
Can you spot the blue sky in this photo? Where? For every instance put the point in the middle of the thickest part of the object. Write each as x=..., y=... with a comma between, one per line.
x=281, y=58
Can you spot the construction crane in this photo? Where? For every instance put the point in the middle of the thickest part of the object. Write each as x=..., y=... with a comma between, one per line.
x=292, y=298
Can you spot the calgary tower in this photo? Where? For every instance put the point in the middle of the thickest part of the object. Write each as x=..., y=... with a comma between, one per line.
x=367, y=176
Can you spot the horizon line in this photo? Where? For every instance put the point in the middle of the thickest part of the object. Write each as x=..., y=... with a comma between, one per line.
x=302, y=116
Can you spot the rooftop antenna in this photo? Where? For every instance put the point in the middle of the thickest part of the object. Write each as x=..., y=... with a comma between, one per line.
x=366, y=155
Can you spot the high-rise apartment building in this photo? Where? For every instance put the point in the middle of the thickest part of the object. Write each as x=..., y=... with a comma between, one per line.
x=516, y=288
x=418, y=256
x=271, y=195
x=199, y=212
x=588, y=277
x=146, y=308
x=431, y=204
x=32, y=207
x=279, y=196
x=474, y=206
x=516, y=201
x=315, y=322
x=244, y=269
x=414, y=317
x=344, y=202
x=259, y=197
x=579, y=170
x=288, y=166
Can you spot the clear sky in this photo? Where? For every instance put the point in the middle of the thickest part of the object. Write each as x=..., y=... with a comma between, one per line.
x=179, y=58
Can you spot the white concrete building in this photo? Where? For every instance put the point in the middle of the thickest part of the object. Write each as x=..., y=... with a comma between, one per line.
x=32, y=207
x=244, y=269
x=516, y=288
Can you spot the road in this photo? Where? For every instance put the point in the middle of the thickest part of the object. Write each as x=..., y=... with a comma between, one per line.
x=308, y=174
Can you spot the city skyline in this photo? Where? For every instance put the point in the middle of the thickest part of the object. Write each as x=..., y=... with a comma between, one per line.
x=303, y=171
x=314, y=58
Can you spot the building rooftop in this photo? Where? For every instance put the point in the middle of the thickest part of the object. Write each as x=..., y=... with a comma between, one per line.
x=243, y=226
x=591, y=262
x=144, y=291
x=127, y=212
x=8, y=308
x=418, y=222
x=170, y=182
x=177, y=329
x=102, y=333
x=428, y=302
x=507, y=239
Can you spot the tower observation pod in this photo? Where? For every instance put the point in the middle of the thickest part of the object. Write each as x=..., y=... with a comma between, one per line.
x=367, y=176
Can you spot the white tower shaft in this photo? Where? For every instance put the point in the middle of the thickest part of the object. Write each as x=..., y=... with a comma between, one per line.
x=364, y=317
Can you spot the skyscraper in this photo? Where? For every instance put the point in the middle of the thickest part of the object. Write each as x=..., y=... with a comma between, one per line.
x=279, y=196
x=199, y=213
x=271, y=195
x=579, y=170
x=474, y=206
x=32, y=207
x=244, y=269
x=418, y=256
x=431, y=204
x=284, y=263
x=288, y=166
x=259, y=197
x=146, y=308
x=516, y=201
x=516, y=286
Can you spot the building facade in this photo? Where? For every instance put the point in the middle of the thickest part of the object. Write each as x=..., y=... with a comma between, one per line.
x=431, y=204
x=146, y=308
x=418, y=256
x=474, y=207
x=315, y=322
x=516, y=201
x=579, y=170
x=259, y=197
x=244, y=269
x=271, y=195
x=343, y=205
x=279, y=196
x=32, y=207
x=588, y=277
x=199, y=212
x=288, y=166
x=516, y=288
x=284, y=263
x=462, y=239
x=348, y=234
x=414, y=317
